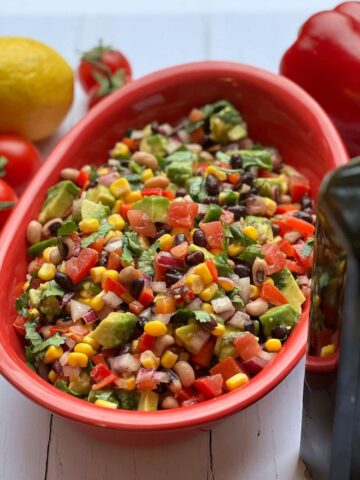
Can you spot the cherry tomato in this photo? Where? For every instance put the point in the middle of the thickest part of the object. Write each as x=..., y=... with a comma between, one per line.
x=8, y=199
x=19, y=160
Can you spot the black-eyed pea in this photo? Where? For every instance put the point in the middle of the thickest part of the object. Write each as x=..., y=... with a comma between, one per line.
x=34, y=232
x=186, y=373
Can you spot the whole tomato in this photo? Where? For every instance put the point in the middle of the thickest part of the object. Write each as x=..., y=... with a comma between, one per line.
x=8, y=199
x=19, y=160
x=99, y=62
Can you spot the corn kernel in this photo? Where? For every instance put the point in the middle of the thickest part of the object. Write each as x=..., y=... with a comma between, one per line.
x=34, y=312
x=130, y=383
x=203, y=270
x=269, y=280
x=212, y=170
x=47, y=271
x=120, y=150
x=26, y=286
x=97, y=303
x=134, y=346
x=77, y=359
x=52, y=376
x=222, y=198
x=89, y=225
x=166, y=242
x=227, y=284
x=149, y=360
x=194, y=283
x=113, y=274
x=146, y=175
x=251, y=232
x=97, y=274
x=144, y=242
x=208, y=292
x=116, y=221
x=184, y=356
x=254, y=292
x=155, y=328
x=271, y=206
x=327, y=350
x=117, y=206
x=168, y=359
x=52, y=353
x=133, y=196
x=87, y=301
x=112, y=234
x=273, y=345
x=120, y=187
x=90, y=341
x=207, y=307
x=236, y=381
x=47, y=252
x=84, y=348
x=103, y=171
x=105, y=404
x=218, y=330
x=234, y=250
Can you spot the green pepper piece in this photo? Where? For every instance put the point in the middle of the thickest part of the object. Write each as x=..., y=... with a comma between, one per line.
x=213, y=214
x=39, y=247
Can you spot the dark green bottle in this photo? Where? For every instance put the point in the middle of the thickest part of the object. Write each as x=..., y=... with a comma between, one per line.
x=330, y=443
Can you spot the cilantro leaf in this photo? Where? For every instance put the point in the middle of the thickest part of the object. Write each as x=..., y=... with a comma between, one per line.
x=67, y=228
x=61, y=385
x=21, y=304
x=256, y=158
x=103, y=230
x=202, y=316
x=240, y=238
x=182, y=316
x=307, y=248
x=126, y=255
x=128, y=399
x=147, y=259
x=132, y=242
x=279, y=279
x=55, y=341
x=31, y=334
x=222, y=265
x=250, y=253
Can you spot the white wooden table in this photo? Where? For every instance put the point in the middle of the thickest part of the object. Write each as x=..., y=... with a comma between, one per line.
x=261, y=442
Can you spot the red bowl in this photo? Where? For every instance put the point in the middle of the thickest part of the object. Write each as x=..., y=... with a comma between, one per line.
x=277, y=111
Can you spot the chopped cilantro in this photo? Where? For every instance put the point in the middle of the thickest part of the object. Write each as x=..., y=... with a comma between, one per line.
x=21, y=304
x=147, y=259
x=67, y=228
x=102, y=232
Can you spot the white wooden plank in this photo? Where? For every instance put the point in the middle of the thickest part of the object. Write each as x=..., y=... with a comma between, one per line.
x=24, y=435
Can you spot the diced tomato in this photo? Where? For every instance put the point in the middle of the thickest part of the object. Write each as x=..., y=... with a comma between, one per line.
x=99, y=359
x=295, y=267
x=147, y=385
x=185, y=394
x=304, y=260
x=136, y=307
x=131, y=143
x=227, y=368
x=165, y=305
x=19, y=324
x=203, y=358
x=114, y=262
x=210, y=386
x=286, y=248
x=146, y=342
x=234, y=178
x=247, y=346
x=196, y=115
x=213, y=270
x=227, y=217
x=272, y=294
x=197, y=135
x=182, y=214
x=152, y=192
x=214, y=233
x=203, y=166
x=141, y=223
x=99, y=373
x=283, y=227
x=111, y=285
x=124, y=209
x=298, y=186
x=274, y=258
x=180, y=251
x=168, y=194
x=266, y=174
x=77, y=268
x=287, y=207
x=146, y=296
x=98, y=245
x=299, y=225
x=104, y=383
x=82, y=179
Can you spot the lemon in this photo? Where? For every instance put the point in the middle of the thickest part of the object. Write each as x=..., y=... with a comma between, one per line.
x=36, y=88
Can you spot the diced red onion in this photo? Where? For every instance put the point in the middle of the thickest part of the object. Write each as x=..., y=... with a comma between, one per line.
x=244, y=286
x=184, y=136
x=147, y=279
x=125, y=363
x=198, y=341
x=72, y=372
x=222, y=304
x=45, y=331
x=302, y=280
x=111, y=299
x=70, y=343
x=137, y=134
x=57, y=366
x=238, y=320
x=66, y=299
x=78, y=309
x=108, y=179
x=158, y=287
x=267, y=356
x=90, y=317
x=165, y=129
x=63, y=358
x=145, y=375
x=114, y=245
x=254, y=365
x=172, y=146
x=195, y=305
x=163, y=317
x=167, y=260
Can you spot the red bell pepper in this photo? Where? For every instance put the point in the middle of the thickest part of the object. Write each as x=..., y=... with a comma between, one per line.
x=287, y=207
x=124, y=209
x=114, y=262
x=295, y=267
x=299, y=225
x=104, y=383
x=100, y=372
x=77, y=268
x=213, y=270
x=227, y=368
x=324, y=60
x=286, y=248
x=82, y=179
x=19, y=325
x=111, y=285
x=146, y=296
x=146, y=342
x=210, y=386
x=204, y=357
x=99, y=359
x=272, y=294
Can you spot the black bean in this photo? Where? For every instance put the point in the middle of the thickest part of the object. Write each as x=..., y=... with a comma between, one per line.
x=194, y=258
x=247, y=178
x=207, y=142
x=211, y=199
x=279, y=332
x=239, y=211
x=53, y=228
x=136, y=286
x=63, y=248
x=199, y=238
x=103, y=260
x=212, y=185
x=275, y=229
x=181, y=192
x=242, y=270
x=64, y=281
x=306, y=202
x=306, y=216
x=253, y=191
x=236, y=161
x=171, y=277
x=155, y=127
x=249, y=326
x=160, y=233
x=178, y=239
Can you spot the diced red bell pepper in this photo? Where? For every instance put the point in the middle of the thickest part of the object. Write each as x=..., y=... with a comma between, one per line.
x=197, y=135
x=136, y=307
x=182, y=214
x=19, y=325
x=131, y=143
x=210, y=386
x=114, y=261
x=185, y=394
x=214, y=233
x=283, y=227
x=111, y=285
x=104, y=383
x=213, y=270
x=203, y=358
x=299, y=225
x=299, y=185
x=286, y=248
x=146, y=296
x=227, y=368
x=287, y=207
x=180, y=251
x=98, y=245
x=147, y=385
x=234, y=178
x=99, y=359
x=77, y=268
x=146, y=342
x=295, y=267
x=247, y=346
x=305, y=260
x=274, y=258
x=100, y=372
x=82, y=179
x=272, y=294
x=124, y=209
x=266, y=174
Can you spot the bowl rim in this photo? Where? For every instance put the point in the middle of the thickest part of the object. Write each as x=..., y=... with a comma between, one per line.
x=41, y=392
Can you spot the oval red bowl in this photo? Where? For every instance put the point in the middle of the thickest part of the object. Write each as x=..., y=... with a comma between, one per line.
x=277, y=111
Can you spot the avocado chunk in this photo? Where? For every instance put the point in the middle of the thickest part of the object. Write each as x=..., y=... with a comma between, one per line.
x=262, y=225
x=58, y=200
x=101, y=194
x=91, y=209
x=148, y=401
x=155, y=144
x=179, y=172
x=227, y=125
x=114, y=330
x=266, y=186
x=276, y=316
x=291, y=290
x=224, y=346
x=156, y=208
